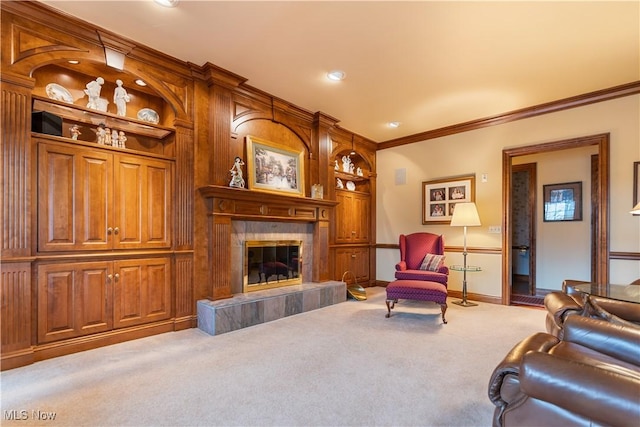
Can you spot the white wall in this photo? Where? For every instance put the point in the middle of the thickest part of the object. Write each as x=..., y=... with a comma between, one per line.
x=399, y=207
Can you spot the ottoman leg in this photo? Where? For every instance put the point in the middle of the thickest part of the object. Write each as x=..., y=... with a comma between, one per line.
x=390, y=305
x=443, y=307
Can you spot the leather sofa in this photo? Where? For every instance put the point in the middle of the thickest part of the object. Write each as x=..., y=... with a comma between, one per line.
x=561, y=305
x=590, y=376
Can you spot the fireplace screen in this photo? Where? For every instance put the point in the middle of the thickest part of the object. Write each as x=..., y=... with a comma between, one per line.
x=272, y=264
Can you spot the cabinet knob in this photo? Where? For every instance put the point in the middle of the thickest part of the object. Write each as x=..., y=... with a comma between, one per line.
x=117, y=277
x=116, y=230
x=353, y=255
x=109, y=278
x=353, y=232
x=109, y=231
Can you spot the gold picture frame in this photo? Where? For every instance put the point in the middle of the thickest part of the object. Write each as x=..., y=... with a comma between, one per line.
x=274, y=168
x=440, y=196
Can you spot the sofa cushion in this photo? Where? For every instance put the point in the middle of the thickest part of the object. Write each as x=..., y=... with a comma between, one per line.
x=432, y=262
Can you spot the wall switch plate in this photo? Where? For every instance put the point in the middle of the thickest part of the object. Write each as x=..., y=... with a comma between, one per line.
x=495, y=229
x=485, y=177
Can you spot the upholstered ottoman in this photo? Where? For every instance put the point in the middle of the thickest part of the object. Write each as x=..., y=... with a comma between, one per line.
x=419, y=290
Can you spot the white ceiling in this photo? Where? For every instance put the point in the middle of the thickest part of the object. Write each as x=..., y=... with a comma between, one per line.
x=425, y=64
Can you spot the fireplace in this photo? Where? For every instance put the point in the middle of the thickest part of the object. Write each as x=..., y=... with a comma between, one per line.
x=272, y=264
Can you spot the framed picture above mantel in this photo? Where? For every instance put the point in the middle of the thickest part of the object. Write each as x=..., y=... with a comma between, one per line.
x=439, y=197
x=274, y=168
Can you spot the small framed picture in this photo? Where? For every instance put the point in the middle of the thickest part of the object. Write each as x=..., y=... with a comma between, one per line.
x=439, y=197
x=563, y=202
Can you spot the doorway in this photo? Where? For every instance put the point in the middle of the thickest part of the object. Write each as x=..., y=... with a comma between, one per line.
x=523, y=232
x=600, y=222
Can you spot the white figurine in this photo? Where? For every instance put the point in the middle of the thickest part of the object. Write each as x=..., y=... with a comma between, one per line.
x=101, y=133
x=236, y=174
x=74, y=131
x=93, y=92
x=346, y=163
x=337, y=167
x=359, y=171
x=107, y=136
x=122, y=138
x=352, y=168
x=114, y=138
x=120, y=98
x=339, y=183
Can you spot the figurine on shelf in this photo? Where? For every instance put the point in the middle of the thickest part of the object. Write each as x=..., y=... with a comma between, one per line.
x=101, y=133
x=93, y=92
x=346, y=164
x=120, y=98
x=339, y=184
x=122, y=138
x=236, y=174
x=337, y=167
x=359, y=171
x=75, y=131
x=107, y=136
x=115, y=141
x=352, y=168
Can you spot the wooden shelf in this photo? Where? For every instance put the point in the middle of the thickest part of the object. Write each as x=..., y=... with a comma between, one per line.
x=350, y=176
x=93, y=117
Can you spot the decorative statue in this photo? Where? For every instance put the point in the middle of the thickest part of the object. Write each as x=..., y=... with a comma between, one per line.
x=101, y=133
x=352, y=168
x=114, y=138
x=93, y=92
x=359, y=171
x=236, y=174
x=346, y=164
x=74, y=131
x=339, y=183
x=107, y=136
x=120, y=98
x=122, y=138
x=337, y=167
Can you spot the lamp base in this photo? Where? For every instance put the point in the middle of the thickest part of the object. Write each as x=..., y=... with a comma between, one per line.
x=465, y=303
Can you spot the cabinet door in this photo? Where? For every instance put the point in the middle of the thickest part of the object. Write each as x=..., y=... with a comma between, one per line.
x=344, y=212
x=142, y=291
x=355, y=260
x=75, y=198
x=361, y=218
x=73, y=300
x=143, y=197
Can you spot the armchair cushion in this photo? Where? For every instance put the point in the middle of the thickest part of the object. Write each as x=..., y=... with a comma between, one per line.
x=432, y=262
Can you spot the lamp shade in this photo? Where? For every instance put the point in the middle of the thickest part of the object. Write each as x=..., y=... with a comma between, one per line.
x=635, y=210
x=465, y=214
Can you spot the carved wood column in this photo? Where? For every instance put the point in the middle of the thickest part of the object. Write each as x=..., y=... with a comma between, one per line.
x=15, y=212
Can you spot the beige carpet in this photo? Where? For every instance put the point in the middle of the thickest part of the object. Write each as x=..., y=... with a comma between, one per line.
x=343, y=365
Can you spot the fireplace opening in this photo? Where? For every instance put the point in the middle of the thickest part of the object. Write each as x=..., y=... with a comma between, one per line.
x=272, y=264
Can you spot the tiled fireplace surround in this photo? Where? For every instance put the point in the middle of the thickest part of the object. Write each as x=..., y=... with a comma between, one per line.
x=247, y=309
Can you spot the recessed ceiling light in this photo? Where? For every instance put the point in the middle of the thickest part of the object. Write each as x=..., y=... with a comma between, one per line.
x=167, y=3
x=394, y=124
x=141, y=82
x=336, y=75
x=73, y=61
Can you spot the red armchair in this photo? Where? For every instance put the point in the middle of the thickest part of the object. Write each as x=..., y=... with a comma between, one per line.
x=413, y=248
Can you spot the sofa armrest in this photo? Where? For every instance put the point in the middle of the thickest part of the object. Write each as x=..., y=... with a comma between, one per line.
x=618, y=341
x=510, y=365
x=609, y=398
x=401, y=266
x=559, y=305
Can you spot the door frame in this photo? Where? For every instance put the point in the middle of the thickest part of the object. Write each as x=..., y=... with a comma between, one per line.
x=601, y=223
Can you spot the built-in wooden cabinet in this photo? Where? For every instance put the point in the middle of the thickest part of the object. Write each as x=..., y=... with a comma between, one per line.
x=82, y=298
x=93, y=199
x=352, y=226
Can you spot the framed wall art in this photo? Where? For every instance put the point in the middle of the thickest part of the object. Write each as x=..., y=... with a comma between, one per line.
x=274, y=168
x=439, y=197
x=563, y=202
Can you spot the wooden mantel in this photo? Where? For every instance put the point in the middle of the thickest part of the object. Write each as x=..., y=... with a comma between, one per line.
x=228, y=204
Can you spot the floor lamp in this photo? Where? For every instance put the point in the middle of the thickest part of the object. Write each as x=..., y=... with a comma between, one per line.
x=465, y=215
